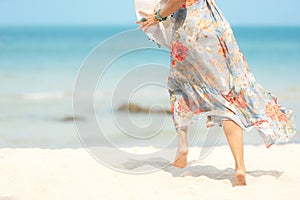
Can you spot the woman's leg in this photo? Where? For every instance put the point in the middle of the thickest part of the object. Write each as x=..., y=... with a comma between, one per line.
x=234, y=135
x=182, y=151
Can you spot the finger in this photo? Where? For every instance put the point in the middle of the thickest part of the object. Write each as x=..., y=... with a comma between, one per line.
x=148, y=26
x=143, y=20
x=143, y=13
x=142, y=26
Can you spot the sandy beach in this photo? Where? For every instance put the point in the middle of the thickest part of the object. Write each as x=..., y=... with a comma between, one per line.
x=42, y=157
x=33, y=173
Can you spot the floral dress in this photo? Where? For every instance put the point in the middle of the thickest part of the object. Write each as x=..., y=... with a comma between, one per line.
x=210, y=77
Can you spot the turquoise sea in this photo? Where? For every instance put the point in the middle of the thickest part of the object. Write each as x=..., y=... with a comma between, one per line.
x=39, y=65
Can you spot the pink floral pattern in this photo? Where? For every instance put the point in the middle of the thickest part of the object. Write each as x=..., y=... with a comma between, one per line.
x=179, y=51
x=189, y=3
x=238, y=100
x=210, y=76
x=274, y=113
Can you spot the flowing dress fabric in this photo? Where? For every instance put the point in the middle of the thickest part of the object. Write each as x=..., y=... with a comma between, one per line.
x=210, y=77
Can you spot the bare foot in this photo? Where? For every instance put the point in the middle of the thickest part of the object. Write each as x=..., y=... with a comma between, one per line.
x=240, y=177
x=181, y=159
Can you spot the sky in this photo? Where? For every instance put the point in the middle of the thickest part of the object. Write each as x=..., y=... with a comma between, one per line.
x=117, y=12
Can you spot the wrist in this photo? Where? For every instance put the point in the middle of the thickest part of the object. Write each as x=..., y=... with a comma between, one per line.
x=159, y=17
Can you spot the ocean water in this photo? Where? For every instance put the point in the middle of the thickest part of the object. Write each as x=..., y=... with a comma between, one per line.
x=39, y=66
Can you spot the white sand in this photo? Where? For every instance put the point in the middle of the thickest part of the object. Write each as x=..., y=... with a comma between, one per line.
x=73, y=174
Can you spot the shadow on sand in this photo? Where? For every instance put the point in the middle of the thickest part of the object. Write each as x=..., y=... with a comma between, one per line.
x=195, y=170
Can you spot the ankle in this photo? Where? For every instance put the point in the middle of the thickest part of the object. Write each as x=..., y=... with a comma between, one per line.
x=240, y=167
x=182, y=149
x=183, y=146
